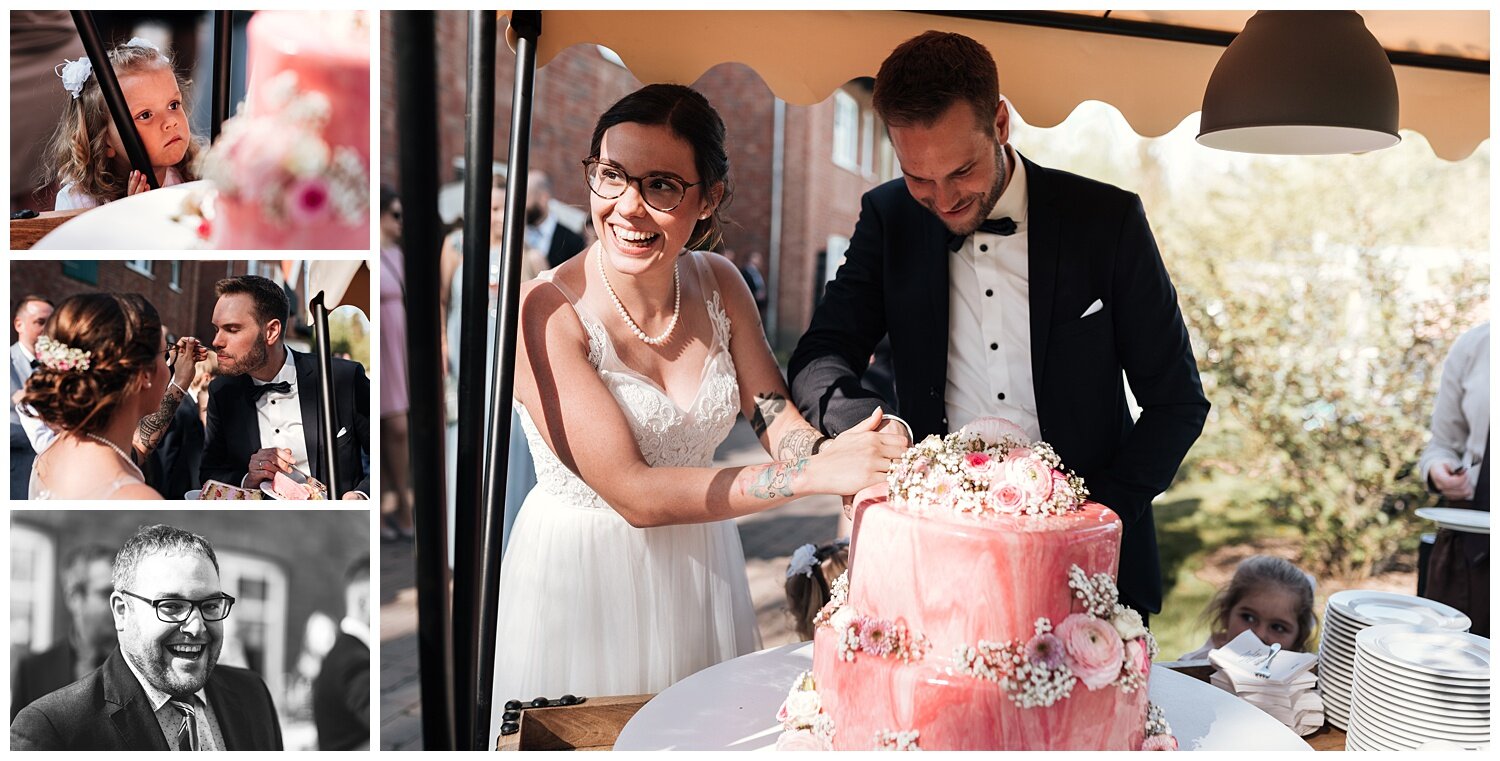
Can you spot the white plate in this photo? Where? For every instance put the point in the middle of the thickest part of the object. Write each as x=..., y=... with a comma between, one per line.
x=1369, y=608
x=1404, y=715
x=1361, y=729
x=1380, y=722
x=1470, y=521
x=1454, y=689
x=1427, y=699
x=194, y=494
x=153, y=220
x=1446, y=654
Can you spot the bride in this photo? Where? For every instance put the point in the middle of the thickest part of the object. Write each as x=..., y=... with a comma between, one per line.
x=106, y=384
x=624, y=571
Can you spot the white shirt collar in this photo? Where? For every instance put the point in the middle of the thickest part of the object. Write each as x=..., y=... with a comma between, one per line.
x=157, y=697
x=1012, y=201
x=30, y=355
x=356, y=629
x=287, y=373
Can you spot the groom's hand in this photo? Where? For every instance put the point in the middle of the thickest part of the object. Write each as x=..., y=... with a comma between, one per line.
x=265, y=464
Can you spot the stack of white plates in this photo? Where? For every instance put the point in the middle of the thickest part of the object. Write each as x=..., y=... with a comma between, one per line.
x=1352, y=610
x=1417, y=684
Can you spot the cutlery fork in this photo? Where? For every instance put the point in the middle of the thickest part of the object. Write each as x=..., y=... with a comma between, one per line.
x=1265, y=669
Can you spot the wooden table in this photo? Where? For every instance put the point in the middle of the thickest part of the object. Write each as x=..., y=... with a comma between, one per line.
x=594, y=724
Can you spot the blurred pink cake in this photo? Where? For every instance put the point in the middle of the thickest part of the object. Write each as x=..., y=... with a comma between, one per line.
x=292, y=168
x=979, y=613
x=218, y=490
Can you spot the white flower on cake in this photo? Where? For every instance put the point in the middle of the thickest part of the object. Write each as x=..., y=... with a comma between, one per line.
x=804, y=725
x=888, y=740
x=987, y=467
x=1088, y=647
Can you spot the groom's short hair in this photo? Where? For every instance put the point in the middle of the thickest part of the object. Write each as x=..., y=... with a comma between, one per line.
x=157, y=539
x=269, y=298
x=927, y=74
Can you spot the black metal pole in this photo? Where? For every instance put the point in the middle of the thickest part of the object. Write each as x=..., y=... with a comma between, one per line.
x=416, y=126
x=109, y=86
x=325, y=396
x=528, y=27
x=479, y=158
x=223, y=46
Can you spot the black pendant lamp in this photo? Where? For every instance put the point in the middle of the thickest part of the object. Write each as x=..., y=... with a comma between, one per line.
x=1302, y=83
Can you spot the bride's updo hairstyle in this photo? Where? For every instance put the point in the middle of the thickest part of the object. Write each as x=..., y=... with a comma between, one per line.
x=121, y=333
x=688, y=114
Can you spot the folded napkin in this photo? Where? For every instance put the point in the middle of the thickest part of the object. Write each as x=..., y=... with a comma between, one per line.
x=1288, y=693
x=1246, y=654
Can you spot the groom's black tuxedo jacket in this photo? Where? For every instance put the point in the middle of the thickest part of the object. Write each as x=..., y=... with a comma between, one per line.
x=234, y=429
x=1087, y=241
x=108, y=710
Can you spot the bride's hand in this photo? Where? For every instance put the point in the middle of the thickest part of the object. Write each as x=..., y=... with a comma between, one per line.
x=858, y=457
x=185, y=364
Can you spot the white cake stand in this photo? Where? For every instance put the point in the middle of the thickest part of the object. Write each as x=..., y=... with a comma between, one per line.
x=152, y=221
x=732, y=706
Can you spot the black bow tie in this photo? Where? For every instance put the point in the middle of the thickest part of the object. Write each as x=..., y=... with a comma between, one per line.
x=1001, y=226
x=282, y=387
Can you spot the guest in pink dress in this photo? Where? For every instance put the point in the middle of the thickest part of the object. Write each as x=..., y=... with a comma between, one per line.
x=393, y=396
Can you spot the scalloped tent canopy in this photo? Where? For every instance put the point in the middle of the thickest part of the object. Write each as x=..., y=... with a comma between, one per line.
x=803, y=56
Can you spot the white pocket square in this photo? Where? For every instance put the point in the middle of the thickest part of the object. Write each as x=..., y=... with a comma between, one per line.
x=1094, y=307
x=341, y=432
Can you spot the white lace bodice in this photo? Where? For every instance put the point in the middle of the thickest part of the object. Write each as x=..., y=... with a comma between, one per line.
x=668, y=435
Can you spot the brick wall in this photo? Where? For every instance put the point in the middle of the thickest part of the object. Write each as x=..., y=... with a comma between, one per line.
x=819, y=198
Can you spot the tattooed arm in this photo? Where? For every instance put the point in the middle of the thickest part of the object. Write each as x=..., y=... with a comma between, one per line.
x=794, y=438
x=153, y=427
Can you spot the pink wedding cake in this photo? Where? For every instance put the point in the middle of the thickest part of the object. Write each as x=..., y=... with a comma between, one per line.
x=292, y=168
x=979, y=613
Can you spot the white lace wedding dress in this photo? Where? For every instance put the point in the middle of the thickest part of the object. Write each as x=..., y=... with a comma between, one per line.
x=590, y=605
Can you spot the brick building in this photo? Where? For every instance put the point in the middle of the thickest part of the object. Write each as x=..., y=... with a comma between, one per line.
x=833, y=152
x=181, y=290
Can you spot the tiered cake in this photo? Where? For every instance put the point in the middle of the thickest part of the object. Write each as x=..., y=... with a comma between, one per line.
x=292, y=168
x=979, y=613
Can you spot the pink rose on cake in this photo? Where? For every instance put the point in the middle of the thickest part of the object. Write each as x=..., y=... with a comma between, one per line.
x=979, y=464
x=1007, y=497
x=997, y=431
x=1094, y=650
x=1160, y=742
x=1138, y=656
x=801, y=739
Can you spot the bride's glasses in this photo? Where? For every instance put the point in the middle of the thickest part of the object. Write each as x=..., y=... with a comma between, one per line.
x=659, y=191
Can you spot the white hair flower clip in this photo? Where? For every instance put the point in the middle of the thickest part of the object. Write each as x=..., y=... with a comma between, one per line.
x=74, y=74
x=803, y=560
x=60, y=357
x=142, y=42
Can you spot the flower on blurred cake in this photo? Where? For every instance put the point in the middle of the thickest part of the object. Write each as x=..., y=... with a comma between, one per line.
x=996, y=431
x=278, y=161
x=1094, y=649
x=1128, y=623
x=1160, y=742
x=1045, y=650
x=876, y=636
x=1138, y=656
x=1008, y=498
x=801, y=739
x=979, y=464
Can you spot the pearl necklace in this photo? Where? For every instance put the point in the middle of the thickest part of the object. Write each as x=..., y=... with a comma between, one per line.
x=624, y=315
x=121, y=453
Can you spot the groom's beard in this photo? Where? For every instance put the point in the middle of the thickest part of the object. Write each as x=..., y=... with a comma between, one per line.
x=247, y=363
x=984, y=204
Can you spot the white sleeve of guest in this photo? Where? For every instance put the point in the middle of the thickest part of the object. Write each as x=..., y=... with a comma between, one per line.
x=1450, y=430
x=68, y=199
x=37, y=432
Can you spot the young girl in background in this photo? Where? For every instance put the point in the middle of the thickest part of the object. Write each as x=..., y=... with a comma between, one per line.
x=86, y=157
x=1268, y=595
x=809, y=581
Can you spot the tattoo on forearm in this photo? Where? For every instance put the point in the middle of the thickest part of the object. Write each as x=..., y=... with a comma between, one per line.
x=148, y=433
x=767, y=406
x=797, y=444
x=772, y=481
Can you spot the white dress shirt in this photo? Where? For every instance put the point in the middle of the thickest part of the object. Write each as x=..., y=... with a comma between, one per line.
x=280, y=415
x=210, y=737
x=989, y=320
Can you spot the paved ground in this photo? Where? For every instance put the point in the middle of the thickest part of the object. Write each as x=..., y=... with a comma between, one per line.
x=768, y=539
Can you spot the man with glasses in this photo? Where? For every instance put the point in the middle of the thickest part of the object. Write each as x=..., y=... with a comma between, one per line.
x=163, y=689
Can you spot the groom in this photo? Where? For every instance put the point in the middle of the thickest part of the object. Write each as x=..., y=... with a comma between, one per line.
x=263, y=409
x=1008, y=289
